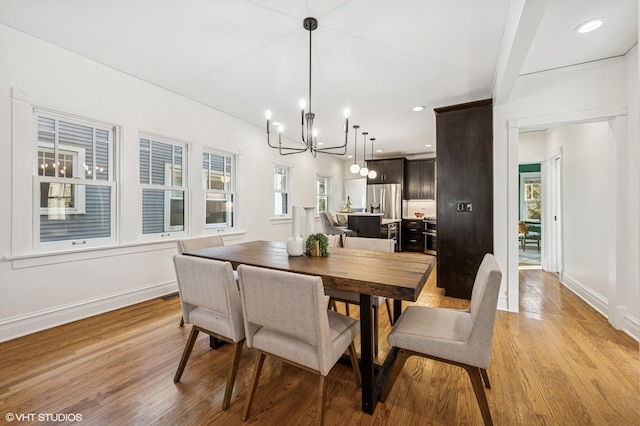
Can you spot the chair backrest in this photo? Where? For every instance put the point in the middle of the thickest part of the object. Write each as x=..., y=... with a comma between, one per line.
x=327, y=226
x=331, y=218
x=210, y=284
x=334, y=240
x=341, y=219
x=373, y=244
x=304, y=321
x=522, y=227
x=199, y=243
x=484, y=302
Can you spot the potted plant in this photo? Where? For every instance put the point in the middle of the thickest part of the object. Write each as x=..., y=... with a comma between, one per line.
x=317, y=245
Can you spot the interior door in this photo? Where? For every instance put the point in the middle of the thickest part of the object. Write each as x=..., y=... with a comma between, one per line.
x=552, y=220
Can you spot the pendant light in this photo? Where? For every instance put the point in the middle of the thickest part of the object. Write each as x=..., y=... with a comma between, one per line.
x=355, y=168
x=372, y=173
x=364, y=171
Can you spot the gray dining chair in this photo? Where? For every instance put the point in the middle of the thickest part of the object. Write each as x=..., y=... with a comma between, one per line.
x=349, y=297
x=459, y=337
x=211, y=303
x=331, y=227
x=305, y=335
x=197, y=244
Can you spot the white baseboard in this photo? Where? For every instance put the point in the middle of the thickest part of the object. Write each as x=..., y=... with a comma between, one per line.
x=632, y=326
x=593, y=299
x=17, y=326
x=504, y=305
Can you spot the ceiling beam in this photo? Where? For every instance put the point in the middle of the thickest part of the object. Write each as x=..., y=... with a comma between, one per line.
x=522, y=25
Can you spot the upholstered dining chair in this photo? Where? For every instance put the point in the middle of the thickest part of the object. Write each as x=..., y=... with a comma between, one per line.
x=334, y=240
x=331, y=227
x=349, y=297
x=457, y=337
x=306, y=334
x=211, y=303
x=197, y=244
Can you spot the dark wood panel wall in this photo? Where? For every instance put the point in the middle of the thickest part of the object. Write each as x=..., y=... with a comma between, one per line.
x=464, y=193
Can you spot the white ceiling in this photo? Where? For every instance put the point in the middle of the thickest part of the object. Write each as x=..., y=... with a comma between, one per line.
x=379, y=58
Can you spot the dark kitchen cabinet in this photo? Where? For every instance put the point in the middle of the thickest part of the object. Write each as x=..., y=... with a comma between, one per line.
x=388, y=171
x=464, y=135
x=412, y=237
x=419, y=180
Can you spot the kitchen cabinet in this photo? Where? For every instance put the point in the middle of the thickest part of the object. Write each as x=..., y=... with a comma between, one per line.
x=388, y=171
x=419, y=179
x=464, y=134
x=412, y=237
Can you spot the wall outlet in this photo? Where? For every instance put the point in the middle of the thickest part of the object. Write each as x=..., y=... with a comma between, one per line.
x=464, y=207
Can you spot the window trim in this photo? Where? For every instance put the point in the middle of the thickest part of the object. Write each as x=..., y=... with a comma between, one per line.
x=327, y=194
x=287, y=190
x=523, y=202
x=37, y=245
x=232, y=191
x=168, y=230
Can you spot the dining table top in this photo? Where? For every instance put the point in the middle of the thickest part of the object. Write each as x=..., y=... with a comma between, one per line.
x=399, y=275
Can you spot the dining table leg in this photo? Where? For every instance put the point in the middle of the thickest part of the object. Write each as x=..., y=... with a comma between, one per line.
x=369, y=398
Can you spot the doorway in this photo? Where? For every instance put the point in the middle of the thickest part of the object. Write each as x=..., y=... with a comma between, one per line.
x=553, y=246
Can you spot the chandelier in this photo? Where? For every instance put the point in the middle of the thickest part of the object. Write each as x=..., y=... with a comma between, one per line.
x=309, y=131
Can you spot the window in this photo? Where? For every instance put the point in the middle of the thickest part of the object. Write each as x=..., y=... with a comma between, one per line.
x=162, y=180
x=73, y=179
x=218, y=176
x=531, y=199
x=281, y=189
x=323, y=192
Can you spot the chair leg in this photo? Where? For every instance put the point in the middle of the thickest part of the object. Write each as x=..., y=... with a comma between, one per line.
x=397, y=367
x=332, y=304
x=346, y=307
x=485, y=378
x=181, y=321
x=185, y=354
x=322, y=396
x=354, y=363
x=254, y=385
x=231, y=379
x=386, y=301
x=475, y=375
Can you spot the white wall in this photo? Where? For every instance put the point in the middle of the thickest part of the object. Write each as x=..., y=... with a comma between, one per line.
x=603, y=89
x=43, y=291
x=532, y=147
x=585, y=213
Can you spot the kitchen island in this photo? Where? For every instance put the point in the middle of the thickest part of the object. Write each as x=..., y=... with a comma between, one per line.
x=374, y=225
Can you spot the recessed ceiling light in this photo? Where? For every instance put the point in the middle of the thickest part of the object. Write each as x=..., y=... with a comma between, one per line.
x=276, y=123
x=378, y=150
x=349, y=156
x=418, y=108
x=589, y=26
x=428, y=145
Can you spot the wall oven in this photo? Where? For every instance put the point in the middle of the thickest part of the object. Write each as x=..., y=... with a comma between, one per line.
x=430, y=236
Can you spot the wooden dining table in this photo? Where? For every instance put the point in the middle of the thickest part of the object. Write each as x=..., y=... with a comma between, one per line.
x=400, y=276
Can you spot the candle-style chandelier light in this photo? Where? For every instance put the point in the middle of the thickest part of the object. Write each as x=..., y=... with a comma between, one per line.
x=309, y=131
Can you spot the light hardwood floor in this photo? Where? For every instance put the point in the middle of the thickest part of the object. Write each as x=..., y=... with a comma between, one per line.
x=557, y=362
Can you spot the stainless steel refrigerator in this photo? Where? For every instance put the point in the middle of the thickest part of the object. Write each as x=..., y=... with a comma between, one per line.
x=385, y=198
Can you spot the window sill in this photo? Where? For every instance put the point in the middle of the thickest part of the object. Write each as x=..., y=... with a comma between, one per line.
x=61, y=256
x=280, y=219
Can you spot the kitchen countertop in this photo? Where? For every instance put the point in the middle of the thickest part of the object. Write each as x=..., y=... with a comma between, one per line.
x=388, y=221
